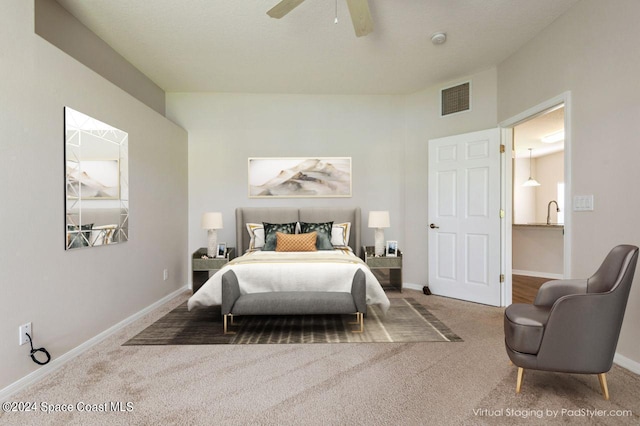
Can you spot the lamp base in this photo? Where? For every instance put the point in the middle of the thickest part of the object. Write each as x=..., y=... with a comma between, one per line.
x=379, y=242
x=212, y=249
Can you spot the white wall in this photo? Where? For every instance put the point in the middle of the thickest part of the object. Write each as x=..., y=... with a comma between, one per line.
x=423, y=122
x=71, y=296
x=549, y=172
x=386, y=136
x=524, y=197
x=59, y=27
x=590, y=51
x=538, y=250
x=530, y=203
x=226, y=129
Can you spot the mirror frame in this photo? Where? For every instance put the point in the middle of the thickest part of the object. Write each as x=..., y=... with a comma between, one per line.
x=96, y=185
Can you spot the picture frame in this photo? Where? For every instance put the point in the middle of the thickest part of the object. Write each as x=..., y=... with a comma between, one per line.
x=300, y=177
x=222, y=250
x=392, y=249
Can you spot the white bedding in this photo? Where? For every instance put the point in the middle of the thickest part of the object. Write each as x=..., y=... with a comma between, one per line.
x=267, y=271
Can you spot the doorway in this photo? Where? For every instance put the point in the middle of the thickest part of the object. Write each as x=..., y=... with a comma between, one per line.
x=537, y=189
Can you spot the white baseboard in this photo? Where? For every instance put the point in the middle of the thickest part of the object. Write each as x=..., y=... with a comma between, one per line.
x=537, y=274
x=627, y=363
x=412, y=286
x=55, y=364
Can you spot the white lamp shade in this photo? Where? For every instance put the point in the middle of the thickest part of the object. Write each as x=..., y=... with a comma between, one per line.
x=212, y=220
x=379, y=219
x=531, y=182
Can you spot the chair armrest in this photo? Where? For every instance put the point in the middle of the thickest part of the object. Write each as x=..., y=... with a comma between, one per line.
x=230, y=291
x=553, y=290
x=359, y=291
x=581, y=334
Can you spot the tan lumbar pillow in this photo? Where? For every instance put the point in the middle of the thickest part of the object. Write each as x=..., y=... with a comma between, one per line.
x=296, y=242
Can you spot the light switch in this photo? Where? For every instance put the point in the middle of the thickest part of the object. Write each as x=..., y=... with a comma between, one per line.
x=583, y=203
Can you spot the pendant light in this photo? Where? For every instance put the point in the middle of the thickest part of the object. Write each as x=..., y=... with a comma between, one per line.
x=531, y=181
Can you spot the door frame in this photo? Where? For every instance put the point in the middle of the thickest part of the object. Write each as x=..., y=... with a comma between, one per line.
x=507, y=185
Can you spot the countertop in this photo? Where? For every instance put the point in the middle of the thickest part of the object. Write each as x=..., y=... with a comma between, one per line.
x=539, y=225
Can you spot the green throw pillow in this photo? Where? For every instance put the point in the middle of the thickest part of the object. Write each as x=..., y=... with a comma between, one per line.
x=270, y=230
x=323, y=242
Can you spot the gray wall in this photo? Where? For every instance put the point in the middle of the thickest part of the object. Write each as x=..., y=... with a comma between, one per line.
x=423, y=122
x=591, y=51
x=226, y=129
x=56, y=25
x=386, y=136
x=72, y=296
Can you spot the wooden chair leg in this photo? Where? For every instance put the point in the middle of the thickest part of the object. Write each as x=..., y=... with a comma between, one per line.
x=360, y=322
x=603, y=385
x=226, y=330
x=519, y=380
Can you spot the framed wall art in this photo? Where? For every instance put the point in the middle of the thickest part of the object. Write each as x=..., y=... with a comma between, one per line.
x=310, y=177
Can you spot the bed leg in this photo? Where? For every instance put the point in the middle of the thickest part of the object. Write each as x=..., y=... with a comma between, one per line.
x=226, y=330
x=359, y=321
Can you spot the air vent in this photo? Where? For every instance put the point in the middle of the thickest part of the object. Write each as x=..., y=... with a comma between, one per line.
x=455, y=99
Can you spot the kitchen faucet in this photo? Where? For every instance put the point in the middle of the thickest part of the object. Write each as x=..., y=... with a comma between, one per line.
x=549, y=210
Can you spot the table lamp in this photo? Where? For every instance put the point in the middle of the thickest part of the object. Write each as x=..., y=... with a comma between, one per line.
x=379, y=220
x=212, y=221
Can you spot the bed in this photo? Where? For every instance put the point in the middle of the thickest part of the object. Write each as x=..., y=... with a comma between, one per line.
x=262, y=271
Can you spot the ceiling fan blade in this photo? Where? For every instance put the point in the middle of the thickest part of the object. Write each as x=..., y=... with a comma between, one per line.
x=361, y=16
x=282, y=8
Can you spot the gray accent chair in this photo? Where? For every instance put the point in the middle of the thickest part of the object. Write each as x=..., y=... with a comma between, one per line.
x=293, y=302
x=573, y=325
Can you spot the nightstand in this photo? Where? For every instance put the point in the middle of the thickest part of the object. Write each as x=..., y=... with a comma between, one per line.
x=202, y=267
x=392, y=264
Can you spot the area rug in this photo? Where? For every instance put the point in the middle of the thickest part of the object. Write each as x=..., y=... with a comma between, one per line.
x=405, y=321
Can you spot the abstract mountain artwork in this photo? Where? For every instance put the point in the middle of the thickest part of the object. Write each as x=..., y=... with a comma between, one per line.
x=93, y=179
x=300, y=177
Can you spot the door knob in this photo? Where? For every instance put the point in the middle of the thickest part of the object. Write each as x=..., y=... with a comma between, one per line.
x=433, y=226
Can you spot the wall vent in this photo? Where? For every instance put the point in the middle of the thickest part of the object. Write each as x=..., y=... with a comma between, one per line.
x=455, y=99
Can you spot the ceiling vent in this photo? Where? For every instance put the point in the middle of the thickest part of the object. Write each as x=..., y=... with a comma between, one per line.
x=455, y=99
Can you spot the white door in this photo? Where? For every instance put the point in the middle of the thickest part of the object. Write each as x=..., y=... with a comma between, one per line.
x=464, y=216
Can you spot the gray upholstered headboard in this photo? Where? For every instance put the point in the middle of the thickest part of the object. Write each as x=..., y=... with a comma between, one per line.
x=246, y=215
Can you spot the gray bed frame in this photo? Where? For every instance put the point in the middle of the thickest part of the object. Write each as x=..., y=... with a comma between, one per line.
x=294, y=302
x=246, y=215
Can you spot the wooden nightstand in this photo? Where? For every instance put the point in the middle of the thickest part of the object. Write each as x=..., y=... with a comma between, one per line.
x=202, y=267
x=392, y=264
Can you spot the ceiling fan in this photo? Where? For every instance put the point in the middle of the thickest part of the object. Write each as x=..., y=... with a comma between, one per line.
x=358, y=9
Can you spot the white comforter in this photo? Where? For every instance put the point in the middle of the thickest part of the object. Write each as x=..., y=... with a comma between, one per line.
x=299, y=271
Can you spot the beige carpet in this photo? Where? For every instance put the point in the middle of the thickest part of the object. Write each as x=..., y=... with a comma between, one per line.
x=430, y=383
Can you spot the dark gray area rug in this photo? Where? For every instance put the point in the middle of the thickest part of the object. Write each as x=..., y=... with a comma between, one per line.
x=406, y=321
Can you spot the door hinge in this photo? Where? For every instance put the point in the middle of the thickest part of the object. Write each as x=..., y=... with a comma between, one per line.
x=501, y=214
x=501, y=149
x=501, y=278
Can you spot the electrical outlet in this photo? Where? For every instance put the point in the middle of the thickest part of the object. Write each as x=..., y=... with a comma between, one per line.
x=23, y=330
x=165, y=274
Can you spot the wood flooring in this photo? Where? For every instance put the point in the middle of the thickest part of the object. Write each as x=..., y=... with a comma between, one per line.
x=525, y=288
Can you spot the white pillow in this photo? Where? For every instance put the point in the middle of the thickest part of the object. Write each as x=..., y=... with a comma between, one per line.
x=340, y=234
x=256, y=232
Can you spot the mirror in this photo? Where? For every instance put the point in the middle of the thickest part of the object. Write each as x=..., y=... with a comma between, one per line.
x=96, y=182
